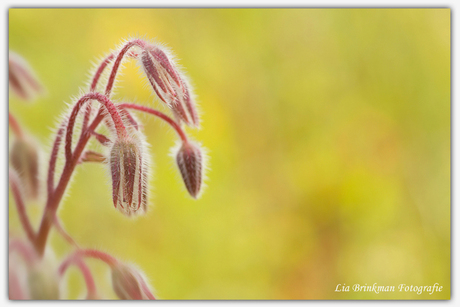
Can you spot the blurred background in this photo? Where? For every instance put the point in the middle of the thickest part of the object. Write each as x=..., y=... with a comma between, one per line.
x=328, y=132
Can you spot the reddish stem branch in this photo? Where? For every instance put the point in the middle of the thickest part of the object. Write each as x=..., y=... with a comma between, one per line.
x=135, y=42
x=89, y=280
x=14, y=125
x=93, y=86
x=55, y=198
x=63, y=233
x=26, y=251
x=159, y=114
x=14, y=182
x=53, y=159
x=89, y=253
x=111, y=109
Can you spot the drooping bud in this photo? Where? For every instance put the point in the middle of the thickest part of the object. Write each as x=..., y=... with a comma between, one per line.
x=129, y=176
x=24, y=158
x=22, y=79
x=190, y=162
x=128, y=283
x=169, y=84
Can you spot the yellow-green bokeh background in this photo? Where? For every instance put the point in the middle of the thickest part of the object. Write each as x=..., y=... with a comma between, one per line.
x=328, y=133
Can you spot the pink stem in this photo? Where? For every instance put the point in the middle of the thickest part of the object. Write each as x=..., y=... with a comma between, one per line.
x=90, y=253
x=89, y=280
x=53, y=159
x=55, y=198
x=135, y=42
x=96, y=78
x=63, y=233
x=163, y=116
x=118, y=122
x=14, y=125
x=14, y=182
x=26, y=251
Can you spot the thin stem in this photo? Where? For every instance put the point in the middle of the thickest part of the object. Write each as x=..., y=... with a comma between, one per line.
x=111, y=109
x=53, y=159
x=93, y=86
x=86, y=272
x=26, y=251
x=63, y=233
x=14, y=125
x=159, y=114
x=14, y=182
x=89, y=253
x=55, y=198
x=135, y=42
x=100, y=70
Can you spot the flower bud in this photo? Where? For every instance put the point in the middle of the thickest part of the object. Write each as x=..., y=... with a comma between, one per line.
x=170, y=86
x=190, y=162
x=24, y=158
x=128, y=284
x=22, y=80
x=129, y=177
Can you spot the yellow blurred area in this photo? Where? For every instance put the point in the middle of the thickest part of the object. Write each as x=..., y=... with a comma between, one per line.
x=328, y=133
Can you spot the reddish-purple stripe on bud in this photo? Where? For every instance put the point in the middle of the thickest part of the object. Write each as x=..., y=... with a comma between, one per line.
x=169, y=85
x=128, y=172
x=162, y=58
x=152, y=73
x=190, y=162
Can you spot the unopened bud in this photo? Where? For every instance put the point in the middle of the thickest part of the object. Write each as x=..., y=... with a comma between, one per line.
x=190, y=162
x=169, y=84
x=129, y=177
x=22, y=80
x=128, y=283
x=24, y=158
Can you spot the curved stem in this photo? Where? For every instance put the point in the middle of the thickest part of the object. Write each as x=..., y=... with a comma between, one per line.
x=55, y=198
x=14, y=125
x=53, y=159
x=86, y=272
x=93, y=86
x=163, y=116
x=89, y=253
x=111, y=109
x=135, y=42
x=14, y=182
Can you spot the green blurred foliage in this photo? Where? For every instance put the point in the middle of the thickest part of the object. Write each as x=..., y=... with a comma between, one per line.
x=328, y=133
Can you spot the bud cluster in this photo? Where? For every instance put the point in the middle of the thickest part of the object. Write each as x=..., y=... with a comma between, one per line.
x=126, y=157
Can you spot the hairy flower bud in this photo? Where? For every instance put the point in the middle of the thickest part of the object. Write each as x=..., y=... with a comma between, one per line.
x=128, y=284
x=170, y=86
x=129, y=178
x=22, y=80
x=24, y=158
x=190, y=162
